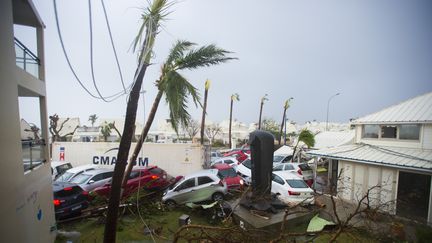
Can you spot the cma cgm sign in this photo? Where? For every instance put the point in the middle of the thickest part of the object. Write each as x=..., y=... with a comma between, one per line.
x=110, y=160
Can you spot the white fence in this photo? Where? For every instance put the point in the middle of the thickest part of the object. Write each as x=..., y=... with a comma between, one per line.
x=176, y=159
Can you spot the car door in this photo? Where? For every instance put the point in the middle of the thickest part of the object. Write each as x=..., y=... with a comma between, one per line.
x=205, y=188
x=185, y=191
x=99, y=180
x=278, y=185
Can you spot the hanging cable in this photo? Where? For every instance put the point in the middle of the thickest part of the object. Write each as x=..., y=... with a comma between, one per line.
x=112, y=44
x=112, y=97
x=91, y=51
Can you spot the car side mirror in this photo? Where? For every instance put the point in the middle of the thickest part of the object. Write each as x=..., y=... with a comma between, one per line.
x=91, y=182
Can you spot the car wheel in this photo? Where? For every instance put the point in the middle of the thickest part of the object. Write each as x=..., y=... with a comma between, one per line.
x=170, y=204
x=217, y=196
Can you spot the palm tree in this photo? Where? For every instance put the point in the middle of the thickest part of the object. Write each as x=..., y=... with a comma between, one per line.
x=144, y=41
x=177, y=88
x=234, y=97
x=92, y=119
x=305, y=136
x=207, y=86
x=264, y=98
x=286, y=106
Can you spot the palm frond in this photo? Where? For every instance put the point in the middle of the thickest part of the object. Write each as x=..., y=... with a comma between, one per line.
x=177, y=51
x=177, y=90
x=307, y=138
x=203, y=57
x=235, y=96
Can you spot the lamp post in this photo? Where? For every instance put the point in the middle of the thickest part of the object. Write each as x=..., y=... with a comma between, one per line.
x=328, y=105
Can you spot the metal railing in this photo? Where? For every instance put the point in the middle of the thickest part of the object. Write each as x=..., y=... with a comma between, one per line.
x=33, y=153
x=26, y=59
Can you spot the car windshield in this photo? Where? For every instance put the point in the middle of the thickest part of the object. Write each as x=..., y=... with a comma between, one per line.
x=278, y=158
x=79, y=179
x=63, y=168
x=175, y=184
x=227, y=173
x=304, y=167
x=297, y=183
x=65, y=177
x=247, y=163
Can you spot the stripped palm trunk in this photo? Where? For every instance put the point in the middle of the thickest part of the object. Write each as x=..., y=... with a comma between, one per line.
x=259, y=121
x=204, y=112
x=143, y=136
x=282, y=125
x=229, y=132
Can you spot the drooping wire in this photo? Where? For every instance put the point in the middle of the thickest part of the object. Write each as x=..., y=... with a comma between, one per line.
x=91, y=52
x=111, y=97
x=112, y=44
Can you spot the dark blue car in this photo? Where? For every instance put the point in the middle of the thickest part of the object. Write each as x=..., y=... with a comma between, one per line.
x=69, y=199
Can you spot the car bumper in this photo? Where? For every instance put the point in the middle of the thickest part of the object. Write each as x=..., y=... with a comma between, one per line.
x=71, y=209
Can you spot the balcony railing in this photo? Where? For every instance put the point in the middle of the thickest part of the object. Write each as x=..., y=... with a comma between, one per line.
x=33, y=153
x=26, y=59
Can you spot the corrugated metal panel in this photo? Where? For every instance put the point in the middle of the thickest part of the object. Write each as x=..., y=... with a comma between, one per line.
x=409, y=158
x=330, y=139
x=415, y=110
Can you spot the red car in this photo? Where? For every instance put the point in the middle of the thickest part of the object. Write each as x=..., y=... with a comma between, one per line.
x=240, y=155
x=228, y=174
x=150, y=178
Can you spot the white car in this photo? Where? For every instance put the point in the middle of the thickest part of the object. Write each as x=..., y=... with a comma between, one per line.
x=58, y=168
x=71, y=173
x=244, y=170
x=290, y=188
x=231, y=161
x=301, y=169
x=281, y=158
x=196, y=187
x=93, y=179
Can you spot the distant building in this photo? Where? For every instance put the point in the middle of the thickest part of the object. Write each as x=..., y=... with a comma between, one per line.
x=27, y=209
x=392, y=149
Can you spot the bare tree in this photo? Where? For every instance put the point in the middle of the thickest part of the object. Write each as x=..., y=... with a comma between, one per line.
x=212, y=131
x=55, y=128
x=192, y=128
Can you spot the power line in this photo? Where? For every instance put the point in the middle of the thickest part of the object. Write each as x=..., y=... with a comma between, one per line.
x=112, y=44
x=111, y=97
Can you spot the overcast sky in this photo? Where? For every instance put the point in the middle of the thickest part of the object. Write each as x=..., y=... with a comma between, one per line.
x=375, y=53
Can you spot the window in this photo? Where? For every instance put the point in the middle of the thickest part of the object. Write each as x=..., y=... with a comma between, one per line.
x=278, y=168
x=409, y=132
x=156, y=171
x=228, y=161
x=388, y=131
x=63, y=168
x=186, y=184
x=277, y=179
x=107, y=175
x=370, y=131
x=247, y=163
x=134, y=174
x=289, y=167
x=204, y=180
x=297, y=184
x=226, y=173
x=79, y=179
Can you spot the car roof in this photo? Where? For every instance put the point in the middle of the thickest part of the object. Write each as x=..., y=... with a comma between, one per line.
x=209, y=172
x=81, y=168
x=59, y=185
x=287, y=175
x=96, y=171
x=57, y=163
x=221, y=166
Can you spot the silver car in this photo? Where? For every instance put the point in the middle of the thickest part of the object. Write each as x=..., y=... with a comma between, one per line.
x=196, y=187
x=92, y=179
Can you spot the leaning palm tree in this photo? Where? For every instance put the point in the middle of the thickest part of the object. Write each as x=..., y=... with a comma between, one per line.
x=207, y=86
x=286, y=106
x=305, y=136
x=234, y=97
x=177, y=88
x=152, y=18
x=264, y=98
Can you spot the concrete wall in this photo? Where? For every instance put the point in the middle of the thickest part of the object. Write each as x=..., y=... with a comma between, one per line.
x=357, y=178
x=26, y=211
x=176, y=159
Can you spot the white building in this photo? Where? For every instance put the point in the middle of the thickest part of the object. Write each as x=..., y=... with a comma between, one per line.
x=26, y=208
x=392, y=149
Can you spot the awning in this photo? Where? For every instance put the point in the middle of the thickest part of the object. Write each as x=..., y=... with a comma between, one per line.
x=402, y=158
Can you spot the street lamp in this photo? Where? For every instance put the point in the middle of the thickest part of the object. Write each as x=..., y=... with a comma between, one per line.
x=328, y=104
